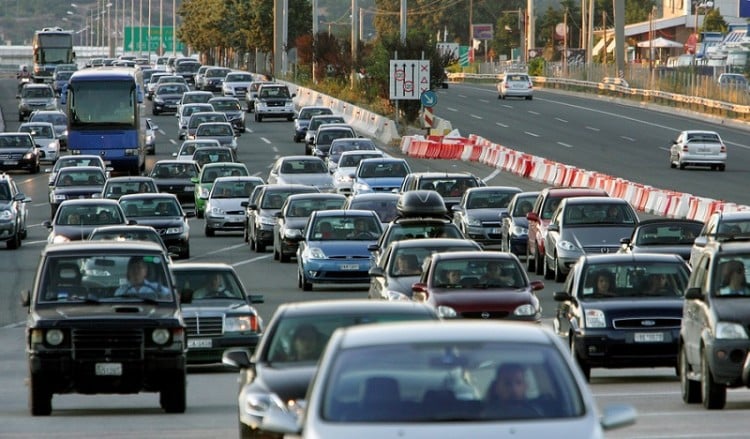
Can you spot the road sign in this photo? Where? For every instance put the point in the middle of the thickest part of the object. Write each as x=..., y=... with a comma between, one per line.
x=137, y=39
x=428, y=98
x=408, y=79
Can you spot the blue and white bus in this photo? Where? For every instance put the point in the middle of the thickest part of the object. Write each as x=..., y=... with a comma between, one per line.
x=104, y=117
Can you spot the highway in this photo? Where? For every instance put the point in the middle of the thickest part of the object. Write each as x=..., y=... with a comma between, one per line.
x=529, y=125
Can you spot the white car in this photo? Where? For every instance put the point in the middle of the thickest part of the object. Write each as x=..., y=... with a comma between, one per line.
x=698, y=148
x=516, y=85
x=45, y=137
x=342, y=176
x=236, y=84
x=188, y=147
x=468, y=378
x=300, y=169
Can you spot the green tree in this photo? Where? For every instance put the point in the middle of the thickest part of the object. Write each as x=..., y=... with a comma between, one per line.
x=714, y=22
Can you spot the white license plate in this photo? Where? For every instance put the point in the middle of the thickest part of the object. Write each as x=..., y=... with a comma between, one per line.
x=108, y=369
x=349, y=266
x=649, y=337
x=10, y=162
x=199, y=343
x=496, y=231
x=189, y=188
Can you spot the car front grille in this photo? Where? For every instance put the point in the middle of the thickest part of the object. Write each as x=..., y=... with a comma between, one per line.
x=203, y=326
x=645, y=323
x=601, y=249
x=486, y=315
x=124, y=344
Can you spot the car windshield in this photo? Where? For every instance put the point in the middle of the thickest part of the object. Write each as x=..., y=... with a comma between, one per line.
x=383, y=169
x=238, y=77
x=339, y=146
x=174, y=170
x=453, y=187
x=23, y=141
x=38, y=130
x=75, y=177
x=150, y=207
x=214, y=130
x=523, y=205
x=303, y=208
x=352, y=160
x=418, y=231
x=209, y=175
x=37, y=92
x=488, y=200
x=595, y=214
x=213, y=156
x=171, y=89
x=667, y=234
x=307, y=113
x=633, y=279
x=385, y=209
x=119, y=188
x=76, y=215
x=335, y=228
x=207, y=284
x=478, y=274
x=418, y=382
x=233, y=189
x=315, y=122
x=303, y=166
x=196, y=120
x=226, y=105
x=730, y=277
x=274, y=92
x=196, y=98
x=53, y=118
x=408, y=261
x=94, y=279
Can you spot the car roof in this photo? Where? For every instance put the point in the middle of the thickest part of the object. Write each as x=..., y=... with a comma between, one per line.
x=286, y=187
x=149, y=196
x=343, y=213
x=104, y=247
x=473, y=254
x=571, y=191
x=350, y=306
x=631, y=257
x=375, y=196
x=430, y=242
x=188, y=266
x=239, y=178
x=595, y=199
x=653, y=221
x=317, y=195
x=92, y=201
x=128, y=178
x=735, y=215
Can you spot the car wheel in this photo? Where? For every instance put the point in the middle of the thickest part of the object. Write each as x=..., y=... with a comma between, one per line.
x=559, y=275
x=682, y=166
x=172, y=395
x=691, y=390
x=722, y=168
x=296, y=139
x=40, y=399
x=283, y=257
x=304, y=284
x=538, y=263
x=198, y=213
x=14, y=242
x=208, y=231
x=155, y=112
x=672, y=164
x=714, y=395
x=530, y=261
x=258, y=246
x=24, y=234
x=247, y=432
x=547, y=270
x=585, y=367
x=36, y=168
x=275, y=252
x=185, y=254
x=528, y=98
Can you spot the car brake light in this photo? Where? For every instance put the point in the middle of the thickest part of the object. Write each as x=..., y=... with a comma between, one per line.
x=684, y=148
x=723, y=149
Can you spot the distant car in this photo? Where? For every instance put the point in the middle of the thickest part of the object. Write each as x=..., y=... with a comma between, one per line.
x=199, y=76
x=188, y=147
x=301, y=170
x=450, y=185
x=335, y=247
x=217, y=309
x=153, y=80
x=401, y=265
x=347, y=166
x=45, y=137
x=312, y=128
x=163, y=212
x=282, y=366
x=585, y=225
x=13, y=212
x=150, y=144
x=35, y=97
x=663, y=235
x=130, y=232
x=236, y=84
x=302, y=119
x=187, y=68
x=77, y=218
x=213, y=78
x=186, y=110
x=202, y=117
x=291, y=220
x=75, y=160
x=205, y=181
x=326, y=134
x=379, y=175
x=176, y=177
x=213, y=154
x=195, y=97
x=60, y=80
x=274, y=100
x=698, y=148
x=166, y=97
x=231, y=108
x=720, y=226
x=479, y=285
x=413, y=228
x=736, y=81
x=633, y=321
x=341, y=145
x=115, y=187
x=423, y=379
x=58, y=119
x=76, y=183
x=222, y=131
x=479, y=213
x=515, y=225
x=251, y=94
x=19, y=152
x=224, y=211
x=515, y=85
x=384, y=205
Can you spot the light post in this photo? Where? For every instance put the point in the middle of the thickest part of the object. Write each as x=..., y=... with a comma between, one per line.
x=522, y=34
x=699, y=5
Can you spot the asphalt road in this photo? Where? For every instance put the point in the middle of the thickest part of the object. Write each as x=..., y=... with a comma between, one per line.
x=212, y=393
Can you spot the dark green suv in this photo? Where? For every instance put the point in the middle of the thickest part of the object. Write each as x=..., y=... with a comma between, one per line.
x=714, y=338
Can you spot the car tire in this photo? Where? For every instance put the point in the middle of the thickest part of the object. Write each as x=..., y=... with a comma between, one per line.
x=585, y=367
x=172, y=395
x=20, y=117
x=558, y=274
x=682, y=166
x=691, y=390
x=185, y=254
x=36, y=168
x=722, y=168
x=258, y=117
x=154, y=112
x=14, y=242
x=528, y=98
x=284, y=258
x=198, y=214
x=713, y=394
x=530, y=261
x=672, y=164
x=208, y=231
x=302, y=282
x=538, y=263
x=245, y=235
x=296, y=139
x=40, y=399
x=247, y=432
x=259, y=247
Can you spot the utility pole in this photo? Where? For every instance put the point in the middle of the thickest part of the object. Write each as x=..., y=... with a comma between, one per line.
x=604, y=28
x=565, y=42
x=315, y=37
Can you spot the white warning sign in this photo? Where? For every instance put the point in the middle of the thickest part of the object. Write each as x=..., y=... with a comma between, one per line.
x=408, y=79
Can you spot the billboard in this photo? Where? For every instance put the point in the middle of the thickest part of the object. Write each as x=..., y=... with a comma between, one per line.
x=481, y=31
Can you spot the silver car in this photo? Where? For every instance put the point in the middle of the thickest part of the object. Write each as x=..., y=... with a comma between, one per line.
x=224, y=209
x=348, y=162
x=36, y=97
x=516, y=85
x=585, y=225
x=236, y=84
x=45, y=137
x=183, y=116
x=479, y=213
x=698, y=148
x=299, y=169
x=221, y=131
x=468, y=378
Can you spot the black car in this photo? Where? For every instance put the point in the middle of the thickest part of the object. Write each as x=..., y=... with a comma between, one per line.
x=75, y=219
x=261, y=208
x=663, y=235
x=232, y=110
x=217, y=309
x=291, y=220
x=76, y=182
x=116, y=187
x=13, y=213
x=622, y=310
x=18, y=151
x=515, y=225
x=175, y=177
x=280, y=371
x=130, y=232
x=164, y=213
x=83, y=338
x=166, y=97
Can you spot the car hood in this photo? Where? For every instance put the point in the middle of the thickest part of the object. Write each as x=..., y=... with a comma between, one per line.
x=344, y=249
x=682, y=250
x=597, y=236
x=286, y=382
x=5, y=151
x=732, y=309
x=323, y=179
x=121, y=311
x=463, y=300
x=223, y=140
x=231, y=115
x=185, y=181
x=295, y=222
x=229, y=204
x=214, y=306
x=382, y=181
x=74, y=232
x=485, y=214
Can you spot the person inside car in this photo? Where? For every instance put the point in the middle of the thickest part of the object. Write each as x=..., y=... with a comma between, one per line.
x=138, y=285
x=495, y=276
x=307, y=343
x=658, y=285
x=214, y=288
x=603, y=284
x=406, y=265
x=734, y=282
x=507, y=394
x=361, y=231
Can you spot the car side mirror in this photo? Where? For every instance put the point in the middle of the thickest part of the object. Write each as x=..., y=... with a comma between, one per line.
x=625, y=241
x=562, y=296
x=376, y=272
x=256, y=298
x=694, y=293
x=47, y=224
x=25, y=298
x=372, y=248
x=237, y=358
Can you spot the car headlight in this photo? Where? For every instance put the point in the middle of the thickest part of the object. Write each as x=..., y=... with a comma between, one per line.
x=473, y=222
x=595, y=318
x=341, y=179
x=28, y=156
x=216, y=211
x=525, y=310
x=446, y=312
x=203, y=192
x=257, y=404
x=173, y=230
x=519, y=231
x=6, y=215
x=730, y=330
x=292, y=233
x=314, y=253
x=240, y=324
x=362, y=187
x=267, y=220
x=395, y=295
x=567, y=246
x=160, y=336
x=54, y=337
x=58, y=197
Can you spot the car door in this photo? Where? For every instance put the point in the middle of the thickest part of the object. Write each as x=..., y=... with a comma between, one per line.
x=551, y=238
x=256, y=198
x=695, y=312
x=568, y=310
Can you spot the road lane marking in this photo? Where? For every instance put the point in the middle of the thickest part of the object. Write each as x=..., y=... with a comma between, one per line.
x=251, y=260
x=173, y=142
x=501, y=125
x=491, y=176
x=161, y=131
x=452, y=109
x=592, y=128
x=628, y=138
x=531, y=134
x=564, y=144
x=484, y=100
x=561, y=120
x=475, y=116
x=274, y=149
x=507, y=106
x=534, y=113
x=266, y=140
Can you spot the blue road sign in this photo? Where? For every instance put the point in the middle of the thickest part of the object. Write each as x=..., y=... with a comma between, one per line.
x=428, y=98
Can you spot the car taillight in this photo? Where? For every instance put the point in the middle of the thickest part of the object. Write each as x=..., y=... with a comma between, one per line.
x=684, y=148
x=723, y=149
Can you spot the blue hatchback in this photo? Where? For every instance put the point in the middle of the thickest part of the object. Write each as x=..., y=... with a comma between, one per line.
x=379, y=175
x=334, y=247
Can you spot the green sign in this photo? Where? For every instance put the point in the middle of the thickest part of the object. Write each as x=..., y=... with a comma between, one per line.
x=463, y=56
x=137, y=39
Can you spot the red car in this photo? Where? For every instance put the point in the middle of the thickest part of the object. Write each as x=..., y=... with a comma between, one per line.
x=479, y=285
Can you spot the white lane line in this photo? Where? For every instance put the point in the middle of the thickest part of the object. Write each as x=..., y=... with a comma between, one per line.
x=592, y=128
x=274, y=149
x=561, y=120
x=251, y=260
x=531, y=134
x=664, y=148
x=452, y=109
x=161, y=131
x=491, y=176
x=501, y=125
x=231, y=247
x=564, y=144
x=173, y=141
x=507, y=106
x=628, y=138
x=534, y=113
x=484, y=100
x=476, y=117
x=266, y=140
x=461, y=96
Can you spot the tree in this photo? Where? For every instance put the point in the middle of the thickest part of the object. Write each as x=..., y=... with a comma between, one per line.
x=714, y=22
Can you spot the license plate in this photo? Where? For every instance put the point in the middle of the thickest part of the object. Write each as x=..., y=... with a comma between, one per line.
x=649, y=337
x=199, y=343
x=496, y=231
x=189, y=188
x=108, y=369
x=10, y=162
x=349, y=266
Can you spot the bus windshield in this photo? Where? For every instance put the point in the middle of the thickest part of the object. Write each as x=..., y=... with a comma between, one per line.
x=102, y=103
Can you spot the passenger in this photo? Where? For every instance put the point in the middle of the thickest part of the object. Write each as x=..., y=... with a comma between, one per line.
x=495, y=276
x=361, y=231
x=325, y=230
x=507, y=394
x=734, y=281
x=603, y=284
x=307, y=343
x=524, y=207
x=214, y=288
x=658, y=285
x=406, y=265
x=138, y=285
x=451, y=279
x=67, y=180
